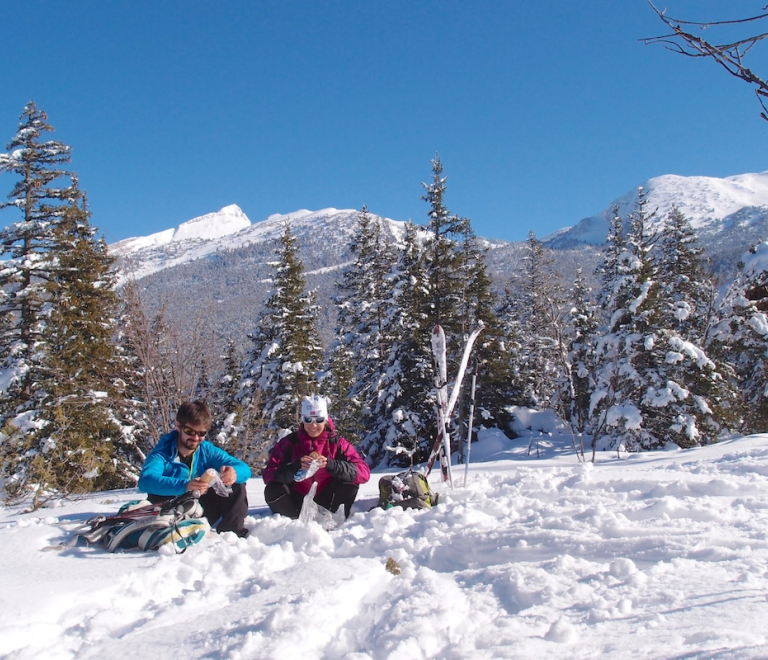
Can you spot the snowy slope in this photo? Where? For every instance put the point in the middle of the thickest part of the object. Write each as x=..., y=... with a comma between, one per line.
x=657, y=555
x=709, y=204
x=228, y=220
x=228, y=229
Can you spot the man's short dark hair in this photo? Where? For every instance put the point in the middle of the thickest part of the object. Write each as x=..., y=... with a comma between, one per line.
x=196, y=413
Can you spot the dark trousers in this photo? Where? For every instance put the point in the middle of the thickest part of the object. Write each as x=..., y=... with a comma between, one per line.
x=232, y=510
x=282, y=499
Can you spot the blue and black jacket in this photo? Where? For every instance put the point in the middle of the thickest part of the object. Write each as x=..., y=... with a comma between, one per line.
x=165, y=474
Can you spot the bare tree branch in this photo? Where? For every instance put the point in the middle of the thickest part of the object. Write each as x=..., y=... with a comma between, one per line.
x=729, y=55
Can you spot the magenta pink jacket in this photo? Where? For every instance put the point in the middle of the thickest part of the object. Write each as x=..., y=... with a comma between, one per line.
x=343, y=460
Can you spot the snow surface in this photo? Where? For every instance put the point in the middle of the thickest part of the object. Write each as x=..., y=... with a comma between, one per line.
x=654, y=555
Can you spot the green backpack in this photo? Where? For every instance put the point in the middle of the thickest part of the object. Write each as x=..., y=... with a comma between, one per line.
x=409, y=490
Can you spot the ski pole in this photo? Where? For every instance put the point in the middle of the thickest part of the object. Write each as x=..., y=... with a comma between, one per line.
x=470, y=422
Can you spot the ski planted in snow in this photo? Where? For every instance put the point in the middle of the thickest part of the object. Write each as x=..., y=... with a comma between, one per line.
x=443, y=440
x=442, y=445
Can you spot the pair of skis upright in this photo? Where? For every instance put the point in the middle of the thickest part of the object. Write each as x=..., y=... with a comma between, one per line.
x=445, y=404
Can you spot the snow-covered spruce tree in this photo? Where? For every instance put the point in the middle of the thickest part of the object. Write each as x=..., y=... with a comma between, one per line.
x=653, y=385
x=405, y=400
x=363, y=339
x=491, y=354
x=740, y=339
x=541, y=305
x=630, y=304
x=223, y=401
x=580, y=335
x=203, y=386
x=236, y=422
x=689, y=314
x=688, y=292
x=612, y=269
x=85, y=439
x=444, y=262
x=450, y=261
x=690, y=400
x=287, y=354
x=337, y=384
x=40, y=195
x=508, y=313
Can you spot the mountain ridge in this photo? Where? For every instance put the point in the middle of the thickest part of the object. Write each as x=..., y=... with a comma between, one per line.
x=712, y=205
x=709, y=203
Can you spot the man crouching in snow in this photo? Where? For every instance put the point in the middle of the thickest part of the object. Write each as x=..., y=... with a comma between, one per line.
x=314, y=445
x=181, y=457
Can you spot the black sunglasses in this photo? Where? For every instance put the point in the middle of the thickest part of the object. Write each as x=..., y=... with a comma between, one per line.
x=198, y=434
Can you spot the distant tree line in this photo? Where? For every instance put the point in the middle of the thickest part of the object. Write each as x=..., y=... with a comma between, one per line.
x=89, y=379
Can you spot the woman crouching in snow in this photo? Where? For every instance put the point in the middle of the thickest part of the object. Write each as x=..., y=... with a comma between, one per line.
x=340, y=469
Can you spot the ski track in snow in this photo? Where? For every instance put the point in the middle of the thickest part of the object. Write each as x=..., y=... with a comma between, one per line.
x=659, y=555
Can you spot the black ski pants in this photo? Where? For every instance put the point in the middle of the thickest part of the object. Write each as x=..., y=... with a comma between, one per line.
x=282, y=499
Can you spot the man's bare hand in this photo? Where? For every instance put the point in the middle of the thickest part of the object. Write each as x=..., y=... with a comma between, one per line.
x=228, y=475
x=197, y=484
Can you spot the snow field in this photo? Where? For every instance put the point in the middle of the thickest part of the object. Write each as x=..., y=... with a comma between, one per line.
x=661, y=555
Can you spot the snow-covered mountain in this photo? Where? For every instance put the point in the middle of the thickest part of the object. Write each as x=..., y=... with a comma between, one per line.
x=728, y=215
x=712, y=205
x=230, y=229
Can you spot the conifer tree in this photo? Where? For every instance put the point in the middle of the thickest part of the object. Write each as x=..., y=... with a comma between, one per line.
x=41, y=198
x=444, y=260
x=203, y=386
x=236, y=420
x=363, y=338
x=223, y=399
x=287, y=354
x=404, y=407
x=542, y=307
x=85, y=439
x=581, y=328
x=690, y=400
x=612, y=269
x=655, y=383
x=629, y=303
x=688, y=292
x=740, y=339
x=491, y=354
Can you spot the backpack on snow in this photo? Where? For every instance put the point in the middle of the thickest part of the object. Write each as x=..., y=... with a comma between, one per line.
x=147, y=526
x=409, y=490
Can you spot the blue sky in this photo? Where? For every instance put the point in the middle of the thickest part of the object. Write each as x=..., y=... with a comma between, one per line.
x=542, y=112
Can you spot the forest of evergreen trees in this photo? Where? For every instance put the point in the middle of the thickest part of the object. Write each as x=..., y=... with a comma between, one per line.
x=89, y=378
